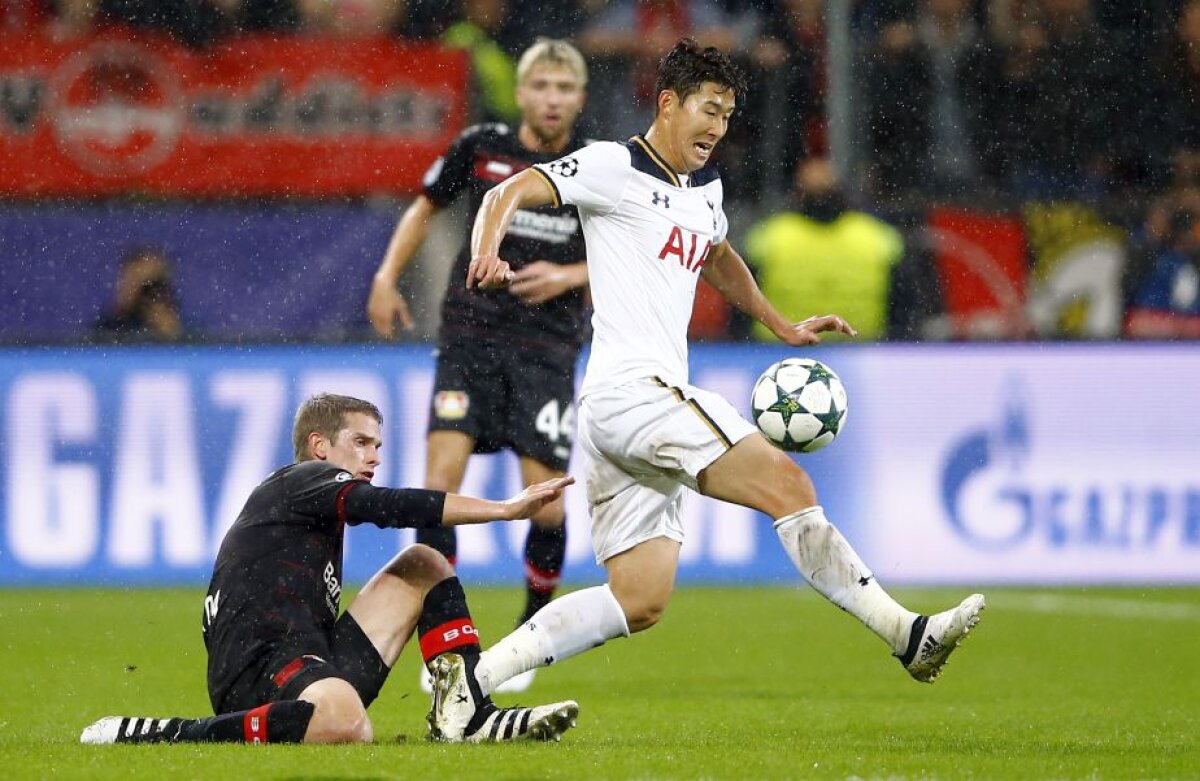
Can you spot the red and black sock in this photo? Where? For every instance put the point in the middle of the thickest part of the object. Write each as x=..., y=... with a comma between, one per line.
x=443, y=540
x=545, y=550
x=445, y=624
x=278, y=722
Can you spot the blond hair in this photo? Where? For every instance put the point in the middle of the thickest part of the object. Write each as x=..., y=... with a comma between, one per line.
x=553, y=52
x=326, y=414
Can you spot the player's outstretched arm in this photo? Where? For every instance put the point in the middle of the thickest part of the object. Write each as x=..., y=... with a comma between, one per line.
x=461, y=509
x=726, y=271
x=528, y=189
x=385, y=306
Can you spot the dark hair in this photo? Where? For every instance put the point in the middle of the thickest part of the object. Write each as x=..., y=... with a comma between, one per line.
x=687, y=66
x=325, y=414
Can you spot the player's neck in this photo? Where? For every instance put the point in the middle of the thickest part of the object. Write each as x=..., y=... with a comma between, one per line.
x=657, y=138
x=534, y=143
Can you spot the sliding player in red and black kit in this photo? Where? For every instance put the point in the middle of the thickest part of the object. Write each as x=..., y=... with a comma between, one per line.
x=506, y=358
x=283, y=667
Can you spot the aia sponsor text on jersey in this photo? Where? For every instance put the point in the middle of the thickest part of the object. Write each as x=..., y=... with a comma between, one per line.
x=684, y=249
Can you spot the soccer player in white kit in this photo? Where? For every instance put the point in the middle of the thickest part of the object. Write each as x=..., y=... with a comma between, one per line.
x=653, y=223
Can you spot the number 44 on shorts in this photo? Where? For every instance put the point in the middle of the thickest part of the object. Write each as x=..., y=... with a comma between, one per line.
x=555, y=426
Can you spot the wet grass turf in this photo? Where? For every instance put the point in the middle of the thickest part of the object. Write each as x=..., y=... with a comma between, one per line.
x=735, y=683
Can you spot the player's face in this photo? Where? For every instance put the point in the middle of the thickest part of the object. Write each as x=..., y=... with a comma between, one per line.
x=550, y=98
x=356, y=447
x=696, y=125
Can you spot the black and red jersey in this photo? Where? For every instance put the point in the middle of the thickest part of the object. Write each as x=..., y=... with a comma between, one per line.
x=278, y=575
x=479, y=159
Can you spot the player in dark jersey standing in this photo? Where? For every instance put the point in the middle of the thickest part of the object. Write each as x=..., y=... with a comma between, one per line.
x=283, y=667
x=506, y=358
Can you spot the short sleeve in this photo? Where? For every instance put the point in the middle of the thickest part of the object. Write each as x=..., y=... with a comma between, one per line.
x=722, y=227
x=317, y=490
x=450, y=174
x=592, y=178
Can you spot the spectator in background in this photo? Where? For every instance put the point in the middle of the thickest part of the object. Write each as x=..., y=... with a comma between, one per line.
x=144, y=308
x=268, y=16
x=921, y=101
x=823, y=256
x=1170, y=119
x=1049, y=105
x=1166, y=301
x=556, y=19
x=351, y=18
x=197, y=23
x=17, y=15
x=789, y=62
x=194, y=22
x=626, y=40
x=494, y=71
x=72, y=17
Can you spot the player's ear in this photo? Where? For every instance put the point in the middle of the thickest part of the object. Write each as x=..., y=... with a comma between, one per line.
x=318, y=446
x=667, y=100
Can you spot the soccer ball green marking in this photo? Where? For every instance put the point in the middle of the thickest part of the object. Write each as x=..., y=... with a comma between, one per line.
x=799, y=404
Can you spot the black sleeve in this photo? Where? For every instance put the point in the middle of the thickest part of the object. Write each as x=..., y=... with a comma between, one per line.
x=451, y=173
x=391, y=508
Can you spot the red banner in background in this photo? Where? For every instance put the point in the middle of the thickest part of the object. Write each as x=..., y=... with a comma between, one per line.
x=118, y=114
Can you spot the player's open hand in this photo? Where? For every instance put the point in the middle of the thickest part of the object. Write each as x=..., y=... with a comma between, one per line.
x=809, y=331
x=386, y=307
x=488, y=271
x=535, y=497
x=540, y=281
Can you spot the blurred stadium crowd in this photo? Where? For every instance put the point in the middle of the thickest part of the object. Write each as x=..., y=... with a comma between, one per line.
x=996, y=169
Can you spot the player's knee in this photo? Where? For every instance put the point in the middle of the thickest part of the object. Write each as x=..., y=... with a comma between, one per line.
x=344, y=729
x=420, y=565
x=339, y=717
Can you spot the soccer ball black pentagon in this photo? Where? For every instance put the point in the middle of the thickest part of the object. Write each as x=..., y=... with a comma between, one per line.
x=799, y=404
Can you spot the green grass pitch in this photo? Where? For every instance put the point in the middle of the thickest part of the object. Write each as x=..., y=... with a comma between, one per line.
x=735, y=683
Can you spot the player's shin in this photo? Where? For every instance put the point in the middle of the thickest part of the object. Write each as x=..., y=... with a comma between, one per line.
x=831, y=566
x=445, y=623
x=278, y=722
x=567, y=626
x=545, y=550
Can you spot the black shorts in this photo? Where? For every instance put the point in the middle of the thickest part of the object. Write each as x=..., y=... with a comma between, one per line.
x=289, y=667
x=504, y=400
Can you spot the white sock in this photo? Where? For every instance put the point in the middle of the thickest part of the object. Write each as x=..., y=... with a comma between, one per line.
x=831, y=566
x=567, y=626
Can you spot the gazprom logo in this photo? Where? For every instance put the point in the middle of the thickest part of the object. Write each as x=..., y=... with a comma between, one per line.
x=1002, y=448
x=1001, y=488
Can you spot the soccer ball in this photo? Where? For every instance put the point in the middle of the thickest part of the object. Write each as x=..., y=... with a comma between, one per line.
x=799, y=404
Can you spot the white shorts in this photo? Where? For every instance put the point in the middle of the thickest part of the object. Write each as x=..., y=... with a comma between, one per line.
x=646, y=442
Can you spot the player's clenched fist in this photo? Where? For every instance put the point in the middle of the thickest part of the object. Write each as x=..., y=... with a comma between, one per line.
x=488, y=271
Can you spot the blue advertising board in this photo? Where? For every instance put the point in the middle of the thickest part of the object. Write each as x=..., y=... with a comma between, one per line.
x=958, y=464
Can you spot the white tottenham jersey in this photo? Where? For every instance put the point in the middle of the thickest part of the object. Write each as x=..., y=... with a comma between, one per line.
x=648, y=231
